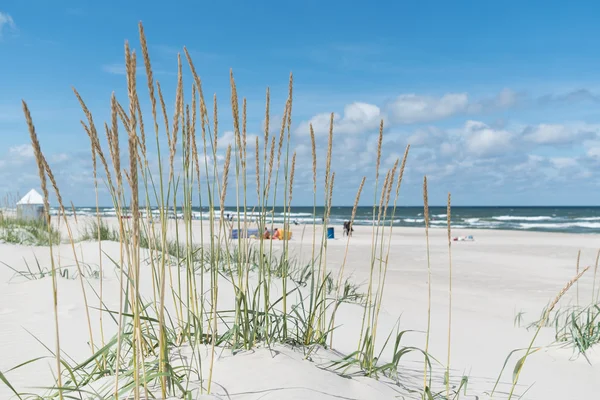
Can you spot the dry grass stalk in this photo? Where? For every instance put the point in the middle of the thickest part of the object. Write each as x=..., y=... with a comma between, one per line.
x=114, y=142
x=163, y=107
x=390, y=186
x=401, y=173
x=330, y=197
x=384, y=190
x=329, y=152
x=140, y=119
x=110, y=138
x=131, y=69
x=73, y=205
x=93, y=135
x=256, y=156
x=236, y=116
x=282, y=131
x=292, y=177
x=426, y=216
x=149, y=75
x=449, y=222
x=244, y=144
x=561, y=294
x=35, y=144
x=577, y=272
x=267, y=117
x=270, y=173
x=215, y=124
x=176, y=116
x=193, y=136
x=257, y=160
x=203, y=109
x=123, y=115
x=290, y=97
x=225, y=177
x=379, y=143
x=314, y=157
x=187, y=136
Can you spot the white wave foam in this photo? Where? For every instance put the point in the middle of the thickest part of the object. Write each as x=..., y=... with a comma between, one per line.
x=413, y=220
x=589, y=225
x=519, y=218
x=588, y=219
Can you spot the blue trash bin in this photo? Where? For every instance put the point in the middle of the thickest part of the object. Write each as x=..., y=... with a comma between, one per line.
x=330, y=233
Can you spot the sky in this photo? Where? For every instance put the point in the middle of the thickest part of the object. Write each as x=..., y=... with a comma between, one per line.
x=499, y=101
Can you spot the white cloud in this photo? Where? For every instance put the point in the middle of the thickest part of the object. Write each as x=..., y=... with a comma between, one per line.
x=564, y=162
x=482, y=140
x=21, y=151
x=357, y=118
x=593, y=152
x=412, y=108
x=408, y=108
x=6, y=23
x=552, y=134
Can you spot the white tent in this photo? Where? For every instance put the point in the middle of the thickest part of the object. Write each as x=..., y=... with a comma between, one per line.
x=33, y=197
x=31, y=206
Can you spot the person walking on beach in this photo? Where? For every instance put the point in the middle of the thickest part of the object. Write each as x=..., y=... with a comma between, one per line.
x=348, y=228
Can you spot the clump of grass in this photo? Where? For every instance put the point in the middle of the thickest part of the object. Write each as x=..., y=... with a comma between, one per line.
x=577, y=326
x=28, y=232
x=38, y=272
x=100, y=231
x=530, y=349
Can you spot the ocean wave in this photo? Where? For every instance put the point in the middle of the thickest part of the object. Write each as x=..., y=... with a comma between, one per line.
x=563, y=225
x=588, y=219
x=413, y=220
x=522, y=218
x=439, y=221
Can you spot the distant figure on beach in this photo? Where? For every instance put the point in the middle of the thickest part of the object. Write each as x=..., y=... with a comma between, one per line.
x=277, y=234
x=296, y=222
x=267, y=235
x=348, y=228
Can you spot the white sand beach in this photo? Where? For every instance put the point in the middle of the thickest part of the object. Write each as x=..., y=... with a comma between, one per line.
x=496, y=276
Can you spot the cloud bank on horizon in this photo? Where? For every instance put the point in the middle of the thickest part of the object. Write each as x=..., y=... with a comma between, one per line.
x=497, y=118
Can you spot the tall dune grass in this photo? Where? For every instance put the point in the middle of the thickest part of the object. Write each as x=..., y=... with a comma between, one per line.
x=187, y=272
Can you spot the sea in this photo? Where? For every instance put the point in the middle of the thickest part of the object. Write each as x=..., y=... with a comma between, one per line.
x=545, y=219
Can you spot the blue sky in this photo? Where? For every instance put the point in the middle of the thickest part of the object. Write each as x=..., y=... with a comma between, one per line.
x=499, y=100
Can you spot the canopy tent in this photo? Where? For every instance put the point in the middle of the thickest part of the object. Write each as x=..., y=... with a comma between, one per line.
x=33, y=197
x=31, y=206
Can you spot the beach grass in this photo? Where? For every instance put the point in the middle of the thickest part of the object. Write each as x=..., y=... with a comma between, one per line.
x=187, y=277
x=27, y=232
